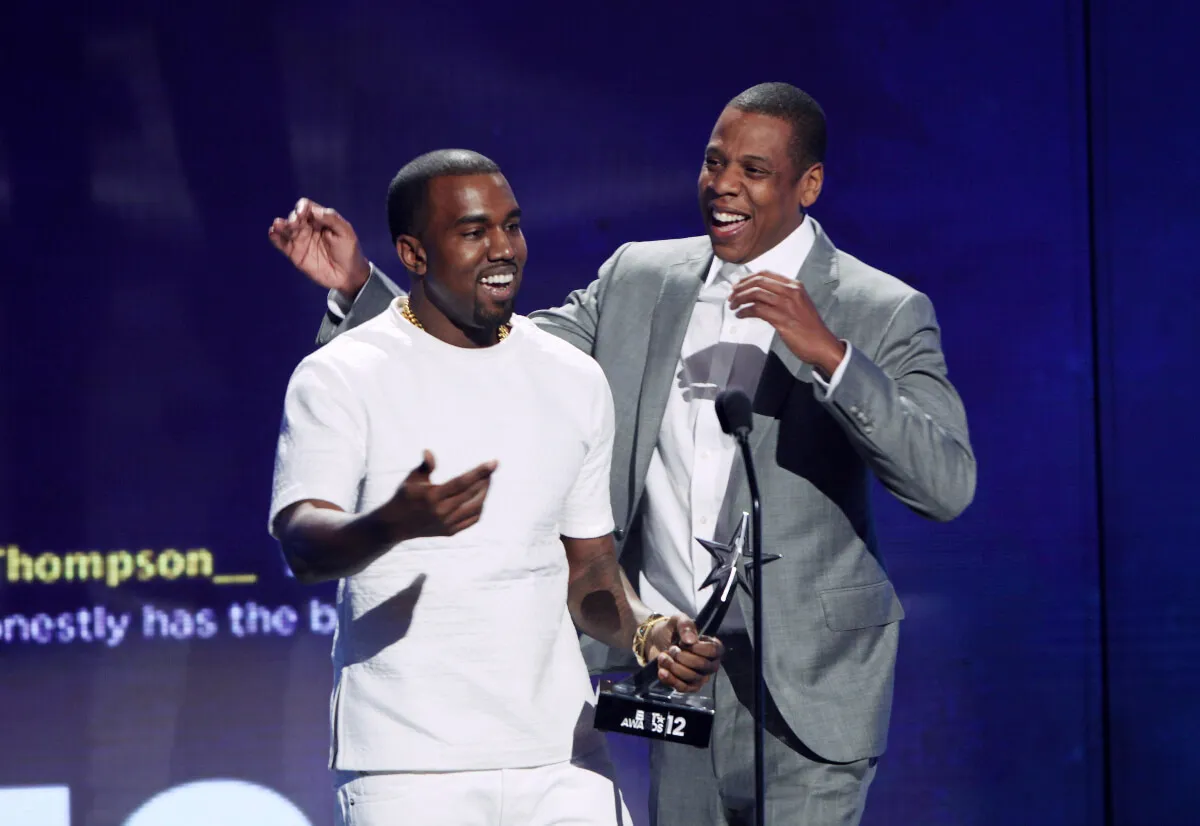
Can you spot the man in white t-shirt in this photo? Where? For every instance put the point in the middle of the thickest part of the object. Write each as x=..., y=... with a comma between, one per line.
x=461, y=696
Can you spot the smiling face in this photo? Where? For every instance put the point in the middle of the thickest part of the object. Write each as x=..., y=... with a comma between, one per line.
x=751, y=194
x=471, y=253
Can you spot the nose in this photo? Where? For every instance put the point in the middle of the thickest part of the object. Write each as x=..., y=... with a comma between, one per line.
x=500, y=246
x=724, y=181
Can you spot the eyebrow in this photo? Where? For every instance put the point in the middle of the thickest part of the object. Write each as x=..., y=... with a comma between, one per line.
x=480, y=218
x=755, y=159
x=477, y=218
x=759, y=159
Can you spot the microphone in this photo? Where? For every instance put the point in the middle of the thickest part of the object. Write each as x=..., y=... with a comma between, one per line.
x=735, y=413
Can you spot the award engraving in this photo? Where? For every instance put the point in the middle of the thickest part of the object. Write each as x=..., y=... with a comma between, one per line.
x=643, y=706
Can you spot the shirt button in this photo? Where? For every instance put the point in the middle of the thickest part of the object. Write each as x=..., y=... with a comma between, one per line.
x=703, y=520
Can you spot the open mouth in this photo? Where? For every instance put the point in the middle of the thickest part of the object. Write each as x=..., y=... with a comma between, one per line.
x=500, y=286
x=727, y=224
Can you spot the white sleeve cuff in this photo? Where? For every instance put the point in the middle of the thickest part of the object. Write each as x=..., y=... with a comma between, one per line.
x=835, y=379
x=338, y=305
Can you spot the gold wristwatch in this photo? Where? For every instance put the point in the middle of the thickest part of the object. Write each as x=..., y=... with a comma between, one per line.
x=643, y=632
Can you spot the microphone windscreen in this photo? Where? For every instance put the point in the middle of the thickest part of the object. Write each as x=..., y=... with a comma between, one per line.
x=734, y=412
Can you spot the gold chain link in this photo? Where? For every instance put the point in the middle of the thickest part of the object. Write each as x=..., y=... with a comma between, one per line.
x=405, y=310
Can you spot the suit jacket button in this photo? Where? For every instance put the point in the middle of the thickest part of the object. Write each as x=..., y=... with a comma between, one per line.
x=618, y=534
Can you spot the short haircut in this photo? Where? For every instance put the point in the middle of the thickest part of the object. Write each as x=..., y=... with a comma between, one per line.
x=407, y=209
x=802, y=113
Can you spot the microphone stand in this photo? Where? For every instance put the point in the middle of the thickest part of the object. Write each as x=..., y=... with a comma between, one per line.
x=760, y=688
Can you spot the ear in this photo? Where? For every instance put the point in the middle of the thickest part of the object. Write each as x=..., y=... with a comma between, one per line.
x=809, y=185
x=412, y=254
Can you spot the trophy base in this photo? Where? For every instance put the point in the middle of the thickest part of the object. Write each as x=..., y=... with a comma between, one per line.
x=656, y=713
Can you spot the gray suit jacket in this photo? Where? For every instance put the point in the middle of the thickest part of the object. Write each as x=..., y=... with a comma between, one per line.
x=832, y=615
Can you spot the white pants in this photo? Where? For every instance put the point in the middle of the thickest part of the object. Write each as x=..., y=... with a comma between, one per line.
x=580, y=792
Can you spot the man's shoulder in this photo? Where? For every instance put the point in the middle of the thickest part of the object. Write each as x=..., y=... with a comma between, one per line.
x=360, y=349
x=657, y=254
x=555, y=352
x=861, y=282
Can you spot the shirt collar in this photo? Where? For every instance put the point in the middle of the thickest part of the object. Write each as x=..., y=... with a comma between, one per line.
x=784, y=258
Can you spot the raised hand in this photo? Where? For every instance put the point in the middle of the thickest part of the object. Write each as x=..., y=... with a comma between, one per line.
x=321, y=244
x=686, y=660
x=785, y=305
x=421, y=508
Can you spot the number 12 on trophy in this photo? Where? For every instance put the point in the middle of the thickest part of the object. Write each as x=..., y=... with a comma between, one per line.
x=674, y=725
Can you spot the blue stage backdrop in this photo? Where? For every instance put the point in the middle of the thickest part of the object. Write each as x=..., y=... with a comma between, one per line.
x=1029, y=165
x=1146, y=114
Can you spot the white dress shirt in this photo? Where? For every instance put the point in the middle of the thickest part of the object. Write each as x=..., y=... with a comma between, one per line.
x=689, y=470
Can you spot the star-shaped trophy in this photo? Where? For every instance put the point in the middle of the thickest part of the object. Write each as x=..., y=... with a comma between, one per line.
x=733, y=556
x=642, y=706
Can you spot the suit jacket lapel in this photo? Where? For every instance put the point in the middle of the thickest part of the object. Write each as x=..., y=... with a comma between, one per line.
x=672, y=313
x=818, y=274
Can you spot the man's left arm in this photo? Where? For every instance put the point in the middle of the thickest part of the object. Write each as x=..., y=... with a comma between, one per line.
x=602, y=601
x=324, y=246
x=897, y=407
x=605, y=606
x=904, y=416
x=345, y=312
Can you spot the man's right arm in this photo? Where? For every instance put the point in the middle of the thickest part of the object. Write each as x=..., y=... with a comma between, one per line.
x=322, y=542
x=345, y=313
x=319, y=464
x=323, y=245
x=575, y=322
x=578, y=319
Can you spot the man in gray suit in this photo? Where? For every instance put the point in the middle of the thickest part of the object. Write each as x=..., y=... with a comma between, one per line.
x=844, y=366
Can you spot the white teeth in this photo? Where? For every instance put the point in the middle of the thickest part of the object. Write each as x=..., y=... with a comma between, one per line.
x=502, y=280
x=727, y=217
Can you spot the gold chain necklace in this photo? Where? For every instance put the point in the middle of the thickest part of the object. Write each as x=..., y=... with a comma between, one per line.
x=406, y=310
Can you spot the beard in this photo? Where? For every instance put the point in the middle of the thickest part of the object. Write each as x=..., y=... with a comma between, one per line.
x=490, y=317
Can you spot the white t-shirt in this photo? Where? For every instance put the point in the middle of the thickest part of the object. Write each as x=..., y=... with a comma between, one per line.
x=456, y=653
